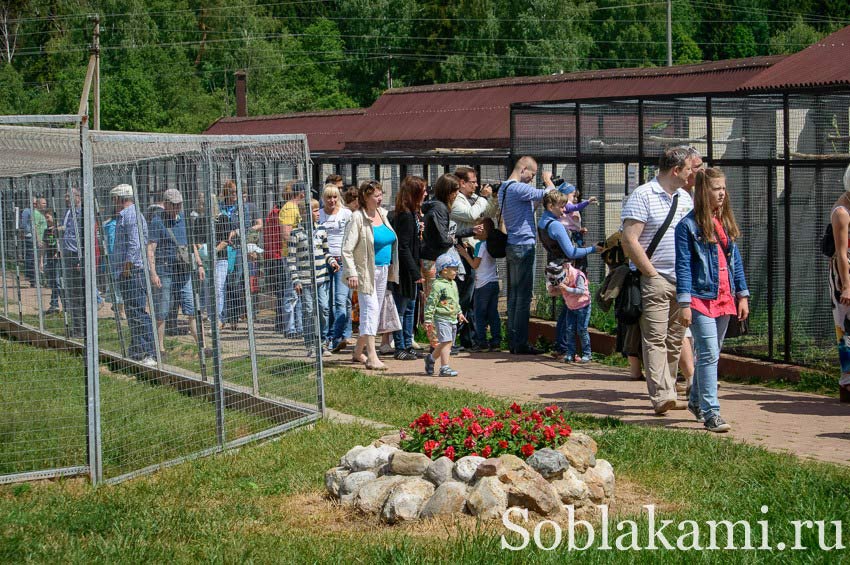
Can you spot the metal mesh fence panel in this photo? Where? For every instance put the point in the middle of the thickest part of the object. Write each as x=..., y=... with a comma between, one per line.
x=44, y=389
x=782, y=202
x=181, y=313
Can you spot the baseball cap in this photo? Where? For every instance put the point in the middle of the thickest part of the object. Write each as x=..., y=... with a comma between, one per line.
x=122, y=191
x=566, y=188
x=445, y=261
x=173, y=196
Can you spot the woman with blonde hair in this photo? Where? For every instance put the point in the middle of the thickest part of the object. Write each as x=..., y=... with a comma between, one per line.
x=335, y=217
x=710, y=287
x=839, y=284
x=370, y=259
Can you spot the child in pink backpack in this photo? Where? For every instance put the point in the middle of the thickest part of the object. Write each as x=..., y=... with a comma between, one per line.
x=570, y=283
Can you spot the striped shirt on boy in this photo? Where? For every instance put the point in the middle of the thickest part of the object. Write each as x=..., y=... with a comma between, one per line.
x=303, y=257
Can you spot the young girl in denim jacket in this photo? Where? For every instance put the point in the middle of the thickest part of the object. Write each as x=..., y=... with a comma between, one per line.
x=710, y=287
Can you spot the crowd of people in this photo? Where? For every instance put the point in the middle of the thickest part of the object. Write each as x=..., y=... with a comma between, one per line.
x=675, y=275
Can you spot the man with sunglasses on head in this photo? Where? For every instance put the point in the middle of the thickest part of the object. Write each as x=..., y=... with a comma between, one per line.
x=517, y=197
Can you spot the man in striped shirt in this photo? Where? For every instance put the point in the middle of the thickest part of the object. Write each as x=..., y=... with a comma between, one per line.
x=305, y=258
x=643, y=216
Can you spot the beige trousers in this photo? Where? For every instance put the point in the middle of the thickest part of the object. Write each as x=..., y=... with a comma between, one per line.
x=662, y=337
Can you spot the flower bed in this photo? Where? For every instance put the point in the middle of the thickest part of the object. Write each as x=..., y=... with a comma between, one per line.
x=486, y=433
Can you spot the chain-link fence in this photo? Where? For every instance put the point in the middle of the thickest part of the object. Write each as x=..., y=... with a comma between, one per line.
x=784, y=157
x=148, y=309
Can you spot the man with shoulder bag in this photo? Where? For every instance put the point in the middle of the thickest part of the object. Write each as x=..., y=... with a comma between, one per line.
x=649, y=219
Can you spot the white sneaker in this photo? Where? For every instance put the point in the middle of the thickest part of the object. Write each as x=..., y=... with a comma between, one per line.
x=386, y=349
x=149, y=362
x=417, y=346
x=326, y=353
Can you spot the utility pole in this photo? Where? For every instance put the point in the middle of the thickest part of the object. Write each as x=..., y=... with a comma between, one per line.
x=669, y=33
x=389, y=71
x=95, y=51
x=92, y=80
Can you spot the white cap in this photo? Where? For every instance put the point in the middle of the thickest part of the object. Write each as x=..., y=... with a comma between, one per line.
x=122, y=191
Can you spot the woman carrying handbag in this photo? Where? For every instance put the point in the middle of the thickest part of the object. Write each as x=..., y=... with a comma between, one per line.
x=710, y=287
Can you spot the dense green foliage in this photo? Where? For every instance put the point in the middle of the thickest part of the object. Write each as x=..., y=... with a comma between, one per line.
x=168, y=65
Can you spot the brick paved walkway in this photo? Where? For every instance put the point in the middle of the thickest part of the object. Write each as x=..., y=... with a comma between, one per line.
x=808, y=425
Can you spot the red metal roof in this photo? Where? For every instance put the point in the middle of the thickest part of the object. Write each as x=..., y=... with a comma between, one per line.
x=826, y=63
x=477, y=114
x=326, y=131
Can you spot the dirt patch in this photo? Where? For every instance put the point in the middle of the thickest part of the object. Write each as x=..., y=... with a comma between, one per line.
x=316, y=513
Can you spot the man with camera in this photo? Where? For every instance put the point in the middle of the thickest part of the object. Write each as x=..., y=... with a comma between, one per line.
x=466, y=210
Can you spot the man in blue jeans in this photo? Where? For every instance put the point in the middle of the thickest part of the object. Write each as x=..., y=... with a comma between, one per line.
x=517, y=198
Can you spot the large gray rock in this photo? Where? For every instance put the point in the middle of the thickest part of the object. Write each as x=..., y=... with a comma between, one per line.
x=536, y=494
x=585, y=440
x=347, y=460
x=579, y=455
x=440, y=471
x=354, y=481
x=393, y=440
x=334, y=478
x=449, y=498
x=487, y=499
x=572, y=491
x=372, y=496
x=465, y=467
x=602, y=474
x=372, y=457
x=406, y=500
x=405, y=463
x=549, y=463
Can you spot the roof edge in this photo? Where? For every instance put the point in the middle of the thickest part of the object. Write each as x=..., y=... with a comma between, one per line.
x=624, y=73
x=292, y=115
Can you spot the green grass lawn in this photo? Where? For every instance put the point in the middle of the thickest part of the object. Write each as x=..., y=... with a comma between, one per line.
x=260, y=504
x=43, y=416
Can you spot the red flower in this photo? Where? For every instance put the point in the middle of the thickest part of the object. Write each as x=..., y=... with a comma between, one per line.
x=536, y=416
x=514, y=429
x=486, y=412
x=517, y=409
x=503, y=444
x=486, y=451
x=549, y=410
x=549, y=433
x=527, y=450
x=474, y=454
x=564, y=432
x=467, y=414
x=450, y=452
x=476, y=429
x=425, y=419
x=498, y=426
x=469, y=442
x=429, y=446
x=457, y=421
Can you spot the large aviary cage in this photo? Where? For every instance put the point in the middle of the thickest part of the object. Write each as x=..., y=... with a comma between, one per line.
x=77, y=395
x=784, y=156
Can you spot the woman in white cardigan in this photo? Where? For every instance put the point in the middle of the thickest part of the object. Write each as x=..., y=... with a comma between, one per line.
x=370, y=260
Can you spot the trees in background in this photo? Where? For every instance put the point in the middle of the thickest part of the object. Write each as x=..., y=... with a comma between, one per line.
x=168, y=65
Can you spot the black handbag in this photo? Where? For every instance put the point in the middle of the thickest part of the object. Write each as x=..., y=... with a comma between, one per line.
x=628, y=307
x=736, y=327
x=497, y=240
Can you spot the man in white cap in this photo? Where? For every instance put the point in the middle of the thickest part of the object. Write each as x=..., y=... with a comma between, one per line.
x=129, y=272
x=170, y=260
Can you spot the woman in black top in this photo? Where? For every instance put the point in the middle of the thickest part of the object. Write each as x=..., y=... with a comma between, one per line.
x=406, y=224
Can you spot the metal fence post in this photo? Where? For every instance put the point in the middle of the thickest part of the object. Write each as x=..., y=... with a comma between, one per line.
x=18, y=263
x=91, y=340
x=216, y=343
x=246, y=278
x=786, y=143
x=35, y=256
x=3, y=257
x=143, y=245
x=320, y=379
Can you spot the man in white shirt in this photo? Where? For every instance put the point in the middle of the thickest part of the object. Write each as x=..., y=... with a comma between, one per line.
x=466, y=210
x=643, y=216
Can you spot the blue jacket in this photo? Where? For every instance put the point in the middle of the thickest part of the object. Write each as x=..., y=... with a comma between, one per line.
x=697, y=265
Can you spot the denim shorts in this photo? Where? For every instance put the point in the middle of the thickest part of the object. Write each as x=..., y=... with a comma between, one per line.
x=163, y=296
